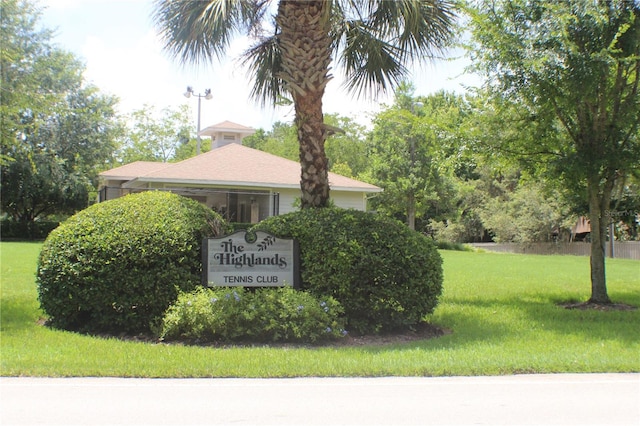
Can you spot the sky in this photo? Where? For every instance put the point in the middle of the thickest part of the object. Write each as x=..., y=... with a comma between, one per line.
x=123, y=56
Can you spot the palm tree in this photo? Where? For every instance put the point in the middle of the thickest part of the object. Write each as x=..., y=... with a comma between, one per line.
x=295, y=45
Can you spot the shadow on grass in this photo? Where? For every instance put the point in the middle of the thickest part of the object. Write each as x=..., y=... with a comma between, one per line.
x=472, y=322
x=457, y=324
x=16, y=314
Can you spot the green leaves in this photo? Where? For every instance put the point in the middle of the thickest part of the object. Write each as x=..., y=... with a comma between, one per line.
x=411, y=152
x=382, y=273
x=372, y=40
x=56, y=131
x=117, y=265
x=158, y=135
x=570, y=72
x=259, y=315
x=573, y=69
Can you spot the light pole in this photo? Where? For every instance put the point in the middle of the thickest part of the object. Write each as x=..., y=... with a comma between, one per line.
x=207, y=95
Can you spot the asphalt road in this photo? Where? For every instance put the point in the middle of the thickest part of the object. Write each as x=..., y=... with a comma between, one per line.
x=563, y=399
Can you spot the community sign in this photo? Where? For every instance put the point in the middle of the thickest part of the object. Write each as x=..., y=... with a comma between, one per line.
x=250, y=260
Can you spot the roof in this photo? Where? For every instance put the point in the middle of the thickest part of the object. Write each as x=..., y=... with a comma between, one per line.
x=227, y=127
x=583, y=225
x=134, y=170
x=232, y=165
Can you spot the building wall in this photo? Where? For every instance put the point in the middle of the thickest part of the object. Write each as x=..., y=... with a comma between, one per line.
x=243, y=206
x=289, y=197
x=343, y=199
x=349, y=200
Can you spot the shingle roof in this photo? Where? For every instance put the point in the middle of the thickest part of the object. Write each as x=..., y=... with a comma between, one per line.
x=134, y=170
x=238, y=165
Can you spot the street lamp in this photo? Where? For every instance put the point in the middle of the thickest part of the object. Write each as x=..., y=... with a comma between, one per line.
x=207, y=95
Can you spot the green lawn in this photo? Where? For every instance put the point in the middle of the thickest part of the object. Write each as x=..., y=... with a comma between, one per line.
x=500, y=308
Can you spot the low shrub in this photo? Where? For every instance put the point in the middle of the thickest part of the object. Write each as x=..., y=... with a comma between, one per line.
x=383, y=274
x=115, y=266
x=448, y=245
x=258, y=315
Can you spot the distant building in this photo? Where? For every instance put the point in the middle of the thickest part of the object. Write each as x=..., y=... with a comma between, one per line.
x=581, y=230
x=241, y=183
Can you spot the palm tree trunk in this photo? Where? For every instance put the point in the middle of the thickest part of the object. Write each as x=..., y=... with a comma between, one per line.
x=314, y=177
x=305, y=44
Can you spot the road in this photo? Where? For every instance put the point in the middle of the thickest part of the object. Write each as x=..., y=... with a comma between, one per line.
x=563, y=399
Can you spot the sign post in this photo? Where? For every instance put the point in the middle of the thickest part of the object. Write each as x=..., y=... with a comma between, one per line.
x=250, y=260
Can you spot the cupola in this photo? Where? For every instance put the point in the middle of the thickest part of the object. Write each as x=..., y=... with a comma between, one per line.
x=226, y=133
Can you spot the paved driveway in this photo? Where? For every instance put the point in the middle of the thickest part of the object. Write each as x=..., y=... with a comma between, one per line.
x=563, y=399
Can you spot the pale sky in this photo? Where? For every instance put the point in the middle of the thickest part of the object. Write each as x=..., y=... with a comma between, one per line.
x=123, y=56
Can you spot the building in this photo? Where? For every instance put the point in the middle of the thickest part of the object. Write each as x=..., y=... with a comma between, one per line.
x=241, y=183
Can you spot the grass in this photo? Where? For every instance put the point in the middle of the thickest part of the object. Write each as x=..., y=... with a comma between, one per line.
x=501, y=309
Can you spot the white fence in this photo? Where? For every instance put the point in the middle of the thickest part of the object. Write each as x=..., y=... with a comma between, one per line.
x=621, y=250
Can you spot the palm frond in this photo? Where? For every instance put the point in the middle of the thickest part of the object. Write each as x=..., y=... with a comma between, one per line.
x=195, y=30
x=377, y=38
x=373, y=40
x=371, y=63
x=264, y=63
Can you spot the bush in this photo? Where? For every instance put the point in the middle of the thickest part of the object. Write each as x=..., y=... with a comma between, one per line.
x=448, y=245
x=115, y=267
x=265, y=314
x=383, y=274
x=36, y=230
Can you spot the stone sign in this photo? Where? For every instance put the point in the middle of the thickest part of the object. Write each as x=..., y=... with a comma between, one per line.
x=250, y=260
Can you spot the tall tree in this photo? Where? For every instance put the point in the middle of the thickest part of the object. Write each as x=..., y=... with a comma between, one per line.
x=345, y=144
x=571, y=72
x=346, y=147
x=281, y=140
x=57, y=133
x=405, y=147
x=371, y=39
x=24, y=50
x=157, y=136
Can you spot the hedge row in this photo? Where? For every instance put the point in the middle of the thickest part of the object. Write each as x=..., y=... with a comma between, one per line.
x=38, y=230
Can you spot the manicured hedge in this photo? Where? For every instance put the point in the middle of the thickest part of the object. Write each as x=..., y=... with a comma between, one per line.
x=118, y=265
x=383, y=274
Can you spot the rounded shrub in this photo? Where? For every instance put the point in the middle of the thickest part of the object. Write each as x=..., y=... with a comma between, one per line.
x=264, y=315
x=116, y=266
x=384, y=275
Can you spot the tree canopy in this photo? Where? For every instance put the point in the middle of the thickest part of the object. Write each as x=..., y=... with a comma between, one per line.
x=567, y=73
x=153, y=135
x=57, y=132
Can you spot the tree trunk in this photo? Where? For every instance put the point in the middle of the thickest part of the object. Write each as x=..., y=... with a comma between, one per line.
x=314, y=177
x=306, y=55
x=411, y=211
x=597, y=205
x=411, y=208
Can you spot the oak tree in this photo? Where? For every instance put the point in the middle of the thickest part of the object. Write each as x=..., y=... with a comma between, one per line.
x=568, y=72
